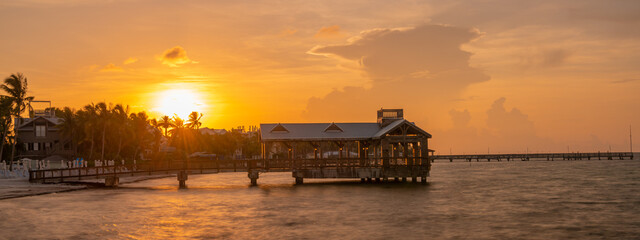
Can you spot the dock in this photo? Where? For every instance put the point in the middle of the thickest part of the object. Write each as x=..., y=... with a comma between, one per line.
x=366, y=170
x=535, y=157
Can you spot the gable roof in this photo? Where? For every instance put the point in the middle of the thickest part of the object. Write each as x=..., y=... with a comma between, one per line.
x=53, y=120
x=330, y=131
x=396, y=124
x=316, y=131
x=279, y=129
x=333, y=128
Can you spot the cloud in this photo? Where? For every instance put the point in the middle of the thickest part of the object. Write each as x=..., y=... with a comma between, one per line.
x=508, y=122
x=544, y=58
x=415, y=68
x=111, y=68
x=130, y=60
x=330, y=32
x=505, y=130
x=402, y=52
x=628, y=80
x=460, y=118
x=288, y=32
x=174, y=57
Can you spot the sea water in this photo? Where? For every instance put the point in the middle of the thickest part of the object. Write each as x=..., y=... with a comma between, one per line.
x=478, y=200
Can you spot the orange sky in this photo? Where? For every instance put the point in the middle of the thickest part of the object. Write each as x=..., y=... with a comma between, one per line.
x=498, y=76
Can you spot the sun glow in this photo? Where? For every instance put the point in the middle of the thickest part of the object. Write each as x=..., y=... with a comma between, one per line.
x=180, y=102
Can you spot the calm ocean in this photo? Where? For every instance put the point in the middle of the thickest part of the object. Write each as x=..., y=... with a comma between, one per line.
x=477, y=200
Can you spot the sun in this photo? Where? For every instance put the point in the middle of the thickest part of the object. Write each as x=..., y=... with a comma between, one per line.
x=180, y=102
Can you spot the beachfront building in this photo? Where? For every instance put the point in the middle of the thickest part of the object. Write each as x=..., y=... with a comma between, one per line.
x=392, y=146
x=39, y=136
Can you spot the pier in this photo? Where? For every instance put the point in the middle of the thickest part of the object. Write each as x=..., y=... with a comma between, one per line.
x=535, y=156
x=365, y=169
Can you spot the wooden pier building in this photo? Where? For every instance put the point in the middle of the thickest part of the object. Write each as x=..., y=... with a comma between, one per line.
x=392, y=147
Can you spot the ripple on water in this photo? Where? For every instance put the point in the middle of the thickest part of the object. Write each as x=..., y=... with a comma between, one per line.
x=506, y=200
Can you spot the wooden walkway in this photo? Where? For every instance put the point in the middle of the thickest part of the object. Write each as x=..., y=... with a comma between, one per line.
x=535, y=156
x=365, y=169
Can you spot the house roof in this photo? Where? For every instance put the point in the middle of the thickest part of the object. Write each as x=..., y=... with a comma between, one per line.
x=328, y=131
x=54, y=120
x=211, y=131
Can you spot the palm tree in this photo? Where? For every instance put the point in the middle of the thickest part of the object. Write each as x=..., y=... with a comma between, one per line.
x=70, y=127
x=142, y=135
x=178, y=125
x=157, y=134
x=179, y=135
x=89, y=118
x=104, y=120
x=165, y=122
x=194, y=120
x=16, y=88
x=5, y=120
x=120, y=116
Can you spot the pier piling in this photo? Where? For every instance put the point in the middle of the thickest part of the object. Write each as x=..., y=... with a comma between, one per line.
x=111, y=181
x=182, y=179
x=254, y=175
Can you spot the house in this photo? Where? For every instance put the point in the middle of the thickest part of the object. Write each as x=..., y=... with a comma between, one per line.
x=211, y=131
x=39, y=135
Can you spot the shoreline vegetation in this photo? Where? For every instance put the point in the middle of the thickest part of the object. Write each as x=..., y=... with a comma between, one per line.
x=104, y=131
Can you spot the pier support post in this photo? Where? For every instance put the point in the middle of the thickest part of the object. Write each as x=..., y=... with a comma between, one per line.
x=414, y=179
x=396, y=179
x=182, y=179
x=111, y=181
x=423, y=179
x=385, y=179
x=404, y=179
x=253, y=175
x=299, y=180
x=362, y=180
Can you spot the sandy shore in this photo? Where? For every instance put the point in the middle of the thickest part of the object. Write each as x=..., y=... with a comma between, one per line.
x=21, y=187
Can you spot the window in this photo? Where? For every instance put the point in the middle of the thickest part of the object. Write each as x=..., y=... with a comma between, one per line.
x=41, y=131
x=36, y=146
x=390, y=114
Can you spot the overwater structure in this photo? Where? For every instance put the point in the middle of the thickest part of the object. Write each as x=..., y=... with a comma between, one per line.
x=392, y=147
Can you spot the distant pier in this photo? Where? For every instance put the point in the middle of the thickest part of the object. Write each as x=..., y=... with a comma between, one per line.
x=534, y=157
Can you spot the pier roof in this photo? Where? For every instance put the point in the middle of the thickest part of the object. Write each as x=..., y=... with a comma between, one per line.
x=318, y=131
x=331, y=131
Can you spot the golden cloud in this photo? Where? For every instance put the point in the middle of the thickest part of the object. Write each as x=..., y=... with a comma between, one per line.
x=175, y=57
x=111, y=68
x=288, y=32
x=130, y=60
x=329, y=32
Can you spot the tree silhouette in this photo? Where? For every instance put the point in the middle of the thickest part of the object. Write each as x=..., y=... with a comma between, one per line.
x=16, y=88
x=194, y=120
